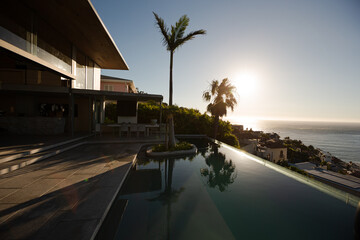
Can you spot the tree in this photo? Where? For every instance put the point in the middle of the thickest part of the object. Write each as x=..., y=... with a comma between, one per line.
x=172, y=39
x=221, y=96
x=221, y=172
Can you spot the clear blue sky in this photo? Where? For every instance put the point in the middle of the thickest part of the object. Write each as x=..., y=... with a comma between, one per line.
x=303, y=56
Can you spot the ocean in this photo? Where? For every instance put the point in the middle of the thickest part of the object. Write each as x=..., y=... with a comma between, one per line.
x=342, y=140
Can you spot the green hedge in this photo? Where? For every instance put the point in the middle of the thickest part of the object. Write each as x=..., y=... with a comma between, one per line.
x=186, y=120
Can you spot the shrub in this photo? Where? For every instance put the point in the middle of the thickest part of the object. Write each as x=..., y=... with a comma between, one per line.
x=110, y=112
x=178, y=147
x=230, y=139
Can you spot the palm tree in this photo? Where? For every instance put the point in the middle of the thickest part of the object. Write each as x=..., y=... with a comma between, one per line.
x=172, y=39
x=221, y=172
x=221, y=96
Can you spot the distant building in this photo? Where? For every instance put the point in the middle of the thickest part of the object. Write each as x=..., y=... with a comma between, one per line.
x=325, y=156
x=272, y=150
x=238, y=127
x=114, y=84
x=249, y=145
x=274, y=136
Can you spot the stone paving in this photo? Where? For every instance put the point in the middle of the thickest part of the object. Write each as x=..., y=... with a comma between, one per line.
x=65, y=196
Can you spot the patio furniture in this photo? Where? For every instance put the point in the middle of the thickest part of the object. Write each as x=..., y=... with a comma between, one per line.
x=151, y=127
x=124, y=128
x=114, y=127
x=141, y=129
x=133, y=129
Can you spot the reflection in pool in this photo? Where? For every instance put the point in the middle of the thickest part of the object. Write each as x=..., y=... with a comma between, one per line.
x=222, y=193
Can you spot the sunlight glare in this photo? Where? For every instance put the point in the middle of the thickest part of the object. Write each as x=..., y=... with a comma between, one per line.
x=245, y=83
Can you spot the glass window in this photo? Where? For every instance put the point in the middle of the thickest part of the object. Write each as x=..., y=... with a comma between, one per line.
x=15, y=33
x=90, y=74
x=80, y=70
x=52, y=47
x=108, y=87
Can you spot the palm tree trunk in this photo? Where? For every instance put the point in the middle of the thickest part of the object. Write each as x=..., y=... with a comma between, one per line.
x=171, y=131
x=171, y=118
x=216, y=125
x=171, y=79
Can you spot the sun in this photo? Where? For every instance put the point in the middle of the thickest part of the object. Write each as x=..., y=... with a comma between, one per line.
x=245, y=83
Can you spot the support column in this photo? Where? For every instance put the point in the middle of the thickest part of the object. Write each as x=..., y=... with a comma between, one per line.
x=94, y=114
x=90, y=114
x=102, y=110
x=71, y=109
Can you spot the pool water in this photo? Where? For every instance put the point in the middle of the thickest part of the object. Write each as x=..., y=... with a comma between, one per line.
x=223, y=193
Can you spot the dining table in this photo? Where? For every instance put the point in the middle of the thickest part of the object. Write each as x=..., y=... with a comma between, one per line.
x=148, y=127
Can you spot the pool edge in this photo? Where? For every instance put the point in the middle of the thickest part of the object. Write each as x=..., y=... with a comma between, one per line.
x=115, y=194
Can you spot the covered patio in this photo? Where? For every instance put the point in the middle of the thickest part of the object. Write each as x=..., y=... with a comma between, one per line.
x=125, y=122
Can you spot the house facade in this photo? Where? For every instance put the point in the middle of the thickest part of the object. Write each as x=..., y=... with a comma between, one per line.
x=117, y=84
x=50, y=63
x=272, y=150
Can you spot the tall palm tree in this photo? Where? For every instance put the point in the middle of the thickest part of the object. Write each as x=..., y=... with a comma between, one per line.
x=172, y=39
x=221, y=96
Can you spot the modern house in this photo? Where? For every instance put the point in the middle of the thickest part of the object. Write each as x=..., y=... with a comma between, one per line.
x=51, y=55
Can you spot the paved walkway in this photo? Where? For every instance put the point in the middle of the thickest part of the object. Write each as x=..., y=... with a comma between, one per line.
x=65, y=196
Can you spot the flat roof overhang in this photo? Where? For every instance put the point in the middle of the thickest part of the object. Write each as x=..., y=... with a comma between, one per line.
x=118, y=95
x=79, y=22
x=35, y=89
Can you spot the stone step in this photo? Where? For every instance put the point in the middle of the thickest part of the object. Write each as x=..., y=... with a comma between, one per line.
x=22, y=154
x=18, y=163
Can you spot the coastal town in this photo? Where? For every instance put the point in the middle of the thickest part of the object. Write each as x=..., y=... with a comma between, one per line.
x=295, y=155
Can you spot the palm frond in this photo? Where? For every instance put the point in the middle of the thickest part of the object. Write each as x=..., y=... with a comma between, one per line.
x=163, y=29
x=188, y=37
x=222, y=95
x=214, y=86
x=207, y=96
x=181, y=26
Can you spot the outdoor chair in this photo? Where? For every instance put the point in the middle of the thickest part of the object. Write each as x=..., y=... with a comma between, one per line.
x=133, y=129
x=141, y=129
x=123, y=128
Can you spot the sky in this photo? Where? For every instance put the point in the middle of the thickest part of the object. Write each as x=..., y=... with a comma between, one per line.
x=290, y=60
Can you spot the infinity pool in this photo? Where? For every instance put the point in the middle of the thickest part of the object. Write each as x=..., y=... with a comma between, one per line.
x=224, y=193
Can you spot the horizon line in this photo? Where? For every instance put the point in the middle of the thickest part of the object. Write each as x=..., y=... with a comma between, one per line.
x=246, y=119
